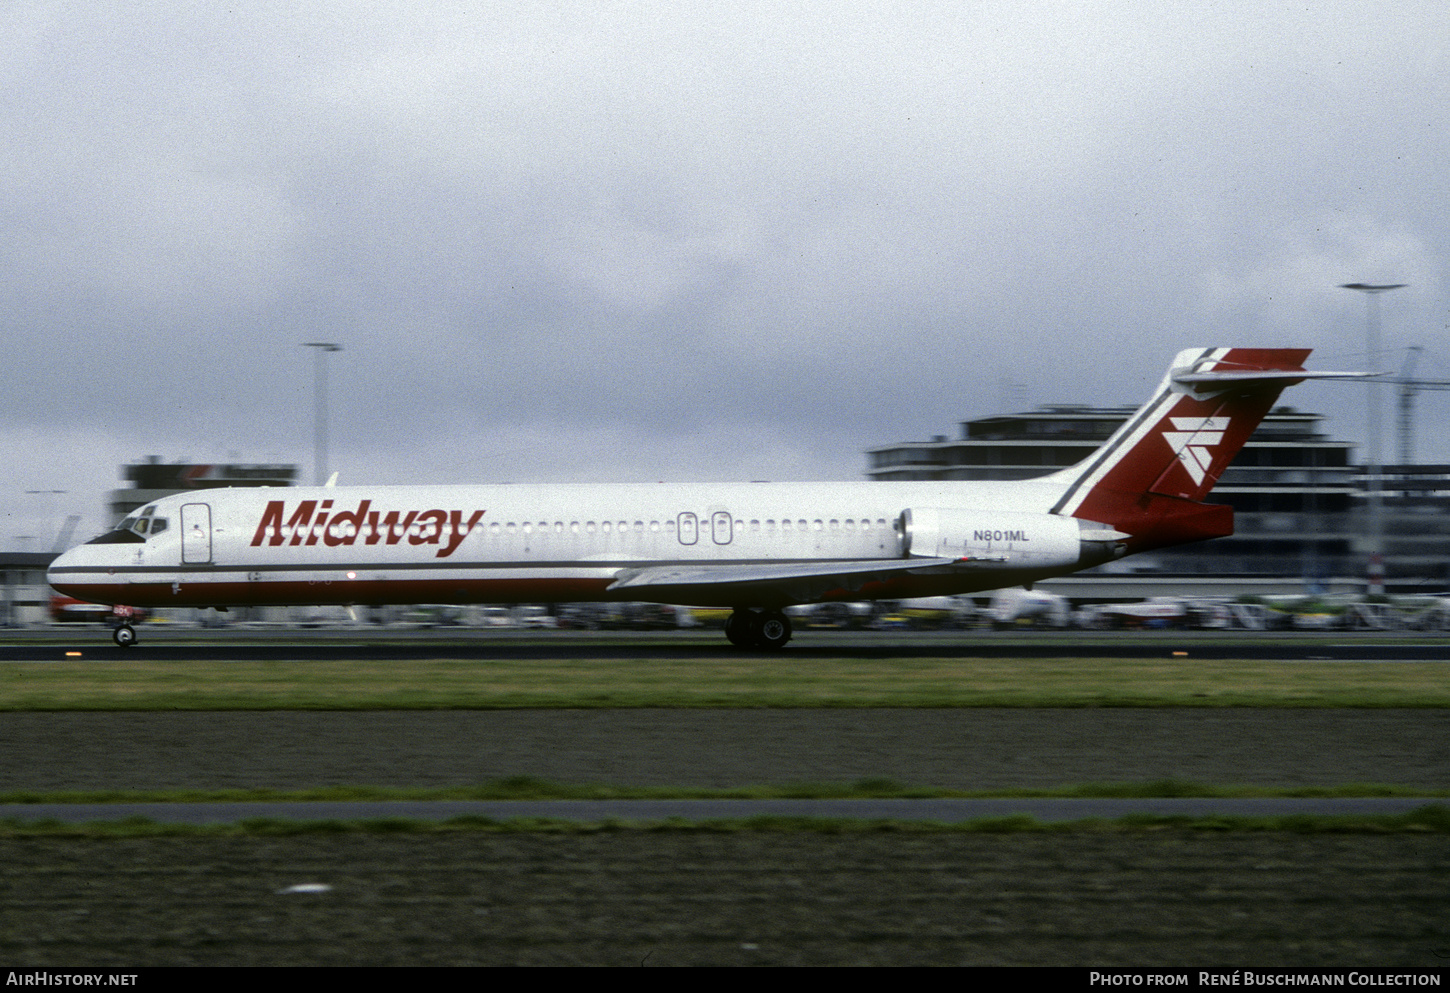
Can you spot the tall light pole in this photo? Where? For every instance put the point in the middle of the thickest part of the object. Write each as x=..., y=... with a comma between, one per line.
x=62, y=535
x=320, y=434
x=1371, y=293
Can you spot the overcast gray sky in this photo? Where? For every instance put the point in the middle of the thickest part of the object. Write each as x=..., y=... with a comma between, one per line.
x=637, y=241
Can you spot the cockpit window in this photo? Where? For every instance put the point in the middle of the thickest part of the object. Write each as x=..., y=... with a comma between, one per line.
x=133, y=529
x=117, y=536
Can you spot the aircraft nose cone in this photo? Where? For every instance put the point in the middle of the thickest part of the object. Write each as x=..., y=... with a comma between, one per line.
x=59, y=562
x=59, y=568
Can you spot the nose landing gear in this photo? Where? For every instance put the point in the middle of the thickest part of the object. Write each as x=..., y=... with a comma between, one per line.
x=124, y=635
x=761, y=629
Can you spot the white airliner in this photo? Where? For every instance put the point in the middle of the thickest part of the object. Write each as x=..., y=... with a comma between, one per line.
x=753, y=547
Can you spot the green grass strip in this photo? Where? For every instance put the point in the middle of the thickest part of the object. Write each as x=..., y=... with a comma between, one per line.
x=113, y=683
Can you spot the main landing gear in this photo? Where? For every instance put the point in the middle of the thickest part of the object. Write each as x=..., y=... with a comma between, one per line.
x=764, y=629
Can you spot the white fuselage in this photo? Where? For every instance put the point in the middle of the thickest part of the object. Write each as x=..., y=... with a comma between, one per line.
x=541, y=543
x=756, y=547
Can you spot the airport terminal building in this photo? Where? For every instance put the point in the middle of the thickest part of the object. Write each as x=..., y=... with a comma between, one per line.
x=152, y=479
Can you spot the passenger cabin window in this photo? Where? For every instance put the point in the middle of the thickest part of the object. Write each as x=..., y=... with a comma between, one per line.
x=722, y=527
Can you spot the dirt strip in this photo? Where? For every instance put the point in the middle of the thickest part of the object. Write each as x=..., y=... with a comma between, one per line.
x=636, y=898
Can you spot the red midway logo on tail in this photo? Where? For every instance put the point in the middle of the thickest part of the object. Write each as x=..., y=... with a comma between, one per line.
x=1194, y=440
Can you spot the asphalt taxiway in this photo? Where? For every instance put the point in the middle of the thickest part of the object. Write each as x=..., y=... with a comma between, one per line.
x=946, y=811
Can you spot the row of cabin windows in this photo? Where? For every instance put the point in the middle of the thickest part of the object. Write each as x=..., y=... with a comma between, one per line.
x=738, y=525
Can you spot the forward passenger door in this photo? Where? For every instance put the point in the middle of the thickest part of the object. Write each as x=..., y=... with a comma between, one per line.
x=195, y=533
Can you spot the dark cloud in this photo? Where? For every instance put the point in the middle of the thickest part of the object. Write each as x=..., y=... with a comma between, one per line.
x=633, y=243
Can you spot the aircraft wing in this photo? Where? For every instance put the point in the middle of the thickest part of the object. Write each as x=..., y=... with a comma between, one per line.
x=791, y=581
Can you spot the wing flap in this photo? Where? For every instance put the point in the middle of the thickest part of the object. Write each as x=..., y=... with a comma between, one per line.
x=849, y=575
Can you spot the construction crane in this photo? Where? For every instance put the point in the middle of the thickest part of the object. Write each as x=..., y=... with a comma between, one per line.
x=1408, y=387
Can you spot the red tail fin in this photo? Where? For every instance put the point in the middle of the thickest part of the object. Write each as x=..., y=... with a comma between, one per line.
x=1149, y=477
